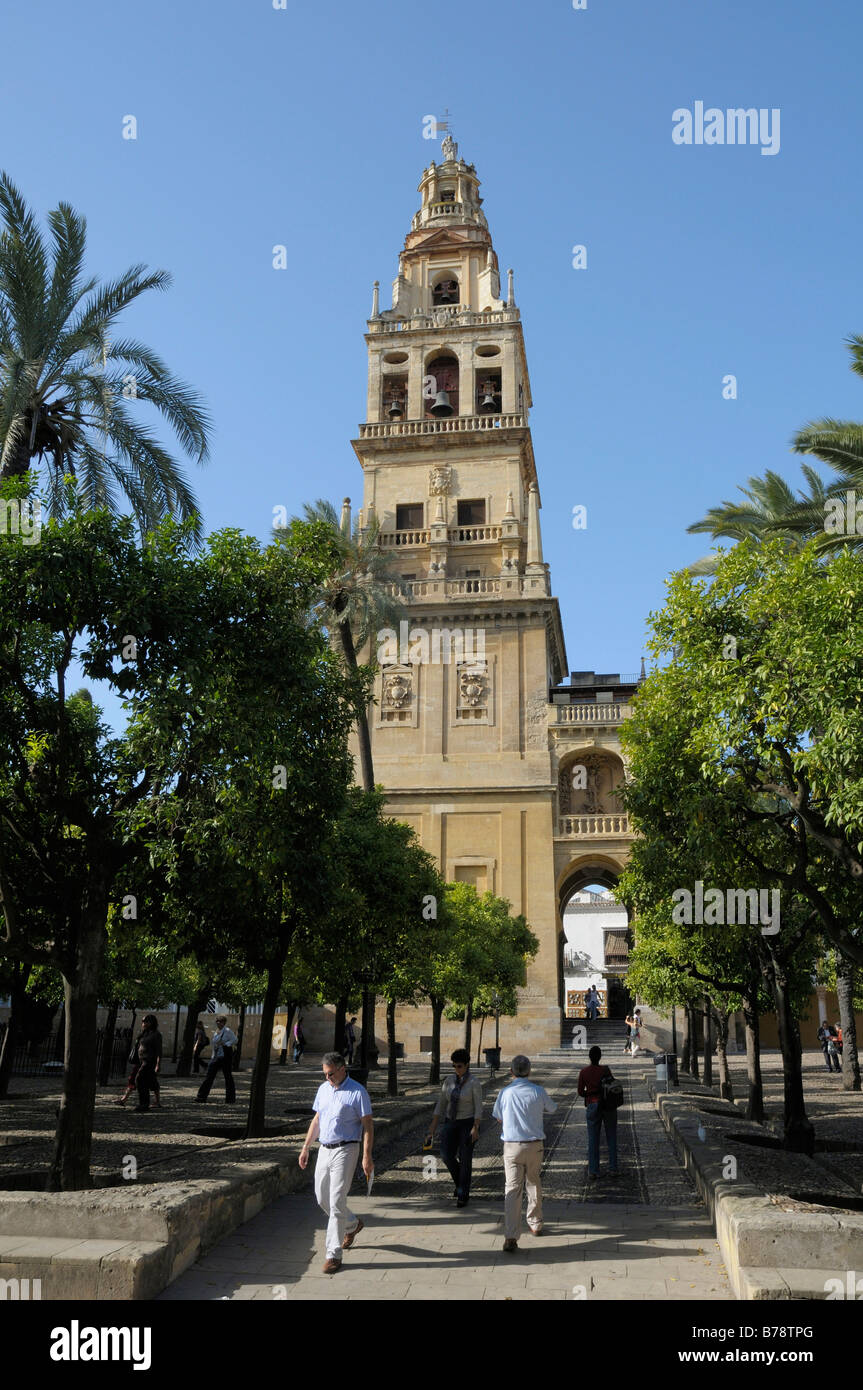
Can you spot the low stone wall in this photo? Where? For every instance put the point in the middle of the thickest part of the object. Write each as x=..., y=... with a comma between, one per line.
x=769, y=1253
x=131, y=1242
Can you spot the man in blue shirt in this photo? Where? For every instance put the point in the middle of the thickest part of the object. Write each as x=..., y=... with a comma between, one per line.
x=520, y=1109
x=343, y=1115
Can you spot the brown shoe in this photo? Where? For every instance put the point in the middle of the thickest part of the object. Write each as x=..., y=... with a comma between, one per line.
x=332, y=1266
x=351, y=1235
x=510, y=1245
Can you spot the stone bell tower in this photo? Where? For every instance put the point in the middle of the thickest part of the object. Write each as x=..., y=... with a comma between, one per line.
x=460, y=725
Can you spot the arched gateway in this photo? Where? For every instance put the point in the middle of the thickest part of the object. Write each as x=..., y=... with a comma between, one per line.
x=508, y=774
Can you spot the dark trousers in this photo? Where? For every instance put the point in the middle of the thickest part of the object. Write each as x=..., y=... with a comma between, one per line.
x=197, y=1061
x=146, y=1082
x=218, y=1064
x=830, y=1058
x=456, y=1150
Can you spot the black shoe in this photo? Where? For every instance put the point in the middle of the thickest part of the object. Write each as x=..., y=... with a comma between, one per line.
x=200, y=1100
x=462, y=1201
x=140, y=1109
x=231, y=1102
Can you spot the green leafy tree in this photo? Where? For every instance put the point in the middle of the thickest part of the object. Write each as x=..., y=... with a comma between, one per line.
x=262, y=768
x=488, y=952
x=746, y=757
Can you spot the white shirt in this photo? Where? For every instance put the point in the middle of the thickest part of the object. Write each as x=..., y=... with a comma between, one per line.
x=340, y=1111
x=521, y=1106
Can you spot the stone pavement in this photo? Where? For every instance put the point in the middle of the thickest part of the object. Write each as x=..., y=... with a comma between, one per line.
x=643, y=1236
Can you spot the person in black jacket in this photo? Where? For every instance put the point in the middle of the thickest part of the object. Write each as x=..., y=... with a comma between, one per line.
x=149, y=1050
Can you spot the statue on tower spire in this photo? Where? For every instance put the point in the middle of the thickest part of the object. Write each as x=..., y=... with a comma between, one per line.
x=449, y=148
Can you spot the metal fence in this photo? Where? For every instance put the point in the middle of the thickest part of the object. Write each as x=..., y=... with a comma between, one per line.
x=46, y=1057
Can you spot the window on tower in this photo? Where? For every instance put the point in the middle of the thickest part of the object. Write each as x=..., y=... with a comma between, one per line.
x=409, y=516
x=472, y=513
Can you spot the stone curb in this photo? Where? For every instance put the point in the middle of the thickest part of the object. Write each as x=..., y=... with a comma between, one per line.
x=769, y=1254
x=131, y=1243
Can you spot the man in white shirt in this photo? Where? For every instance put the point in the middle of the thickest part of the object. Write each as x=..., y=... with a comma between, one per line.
x=343, y=1114
x=520, y=1109
x=221, y=1060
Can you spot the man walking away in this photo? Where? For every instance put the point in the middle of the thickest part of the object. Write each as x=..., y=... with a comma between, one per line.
x=222, y=1060
x=520, y=1108
x=343, y=1114
x=149, y=1049
x=460, y=1107
x=590, y=1086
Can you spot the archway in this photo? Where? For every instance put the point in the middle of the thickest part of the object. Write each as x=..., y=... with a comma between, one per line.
x=593, y=939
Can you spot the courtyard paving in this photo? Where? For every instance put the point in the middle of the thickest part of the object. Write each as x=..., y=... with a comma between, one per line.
x=643, y=1236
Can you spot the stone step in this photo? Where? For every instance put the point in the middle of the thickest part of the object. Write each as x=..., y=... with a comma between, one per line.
x=60, y=1268
x=762, y=1283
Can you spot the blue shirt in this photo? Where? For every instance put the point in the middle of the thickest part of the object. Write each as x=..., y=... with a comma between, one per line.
x=222, y=1039
x=521, y=1106
x=340, y=1111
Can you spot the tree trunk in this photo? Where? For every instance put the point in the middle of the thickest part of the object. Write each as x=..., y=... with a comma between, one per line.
x=18, y=990
x=799, y=1136
x=339, y=1027
x=479, y=1044
x=19, y=458
x=196, y=1008
x=392, y=1069
x=363, y=735
x=708, y=1044
x=468, y=1026
x=437, y=1013
x=692, y=1021
x=241, y=1028
x=845, y=980
x=755, y=1099
x=257, y=1116
x=70, y=1169
x=108, y=1042
x=686, y=1045
x=289, y=1023
x=368, y=1046
x=726, y=1090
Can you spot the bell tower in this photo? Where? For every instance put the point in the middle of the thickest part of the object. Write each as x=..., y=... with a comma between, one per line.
x=460, y=724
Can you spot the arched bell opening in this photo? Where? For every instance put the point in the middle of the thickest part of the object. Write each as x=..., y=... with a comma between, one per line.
x=394, y=395
x=440, y=392
x=446, y=290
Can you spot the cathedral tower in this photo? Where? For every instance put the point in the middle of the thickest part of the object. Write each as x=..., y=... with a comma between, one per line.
x=460, y=728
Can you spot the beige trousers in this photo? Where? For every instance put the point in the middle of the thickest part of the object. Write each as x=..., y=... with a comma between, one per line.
x=522, y=1164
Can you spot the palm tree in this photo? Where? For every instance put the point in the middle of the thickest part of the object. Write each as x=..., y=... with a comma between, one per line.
x=771, y=511
x=359, y=598
x=838, y=442
x=68, y=393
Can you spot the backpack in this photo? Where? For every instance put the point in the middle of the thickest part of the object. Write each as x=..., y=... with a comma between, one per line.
x=610, y=1093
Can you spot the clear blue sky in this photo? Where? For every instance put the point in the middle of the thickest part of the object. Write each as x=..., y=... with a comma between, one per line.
x=303, y=126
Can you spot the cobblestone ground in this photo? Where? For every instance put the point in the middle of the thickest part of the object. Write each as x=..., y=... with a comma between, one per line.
x=643, y=1236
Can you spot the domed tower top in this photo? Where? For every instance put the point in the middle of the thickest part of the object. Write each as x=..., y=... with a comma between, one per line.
x=450, y=196
x=448, y=257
